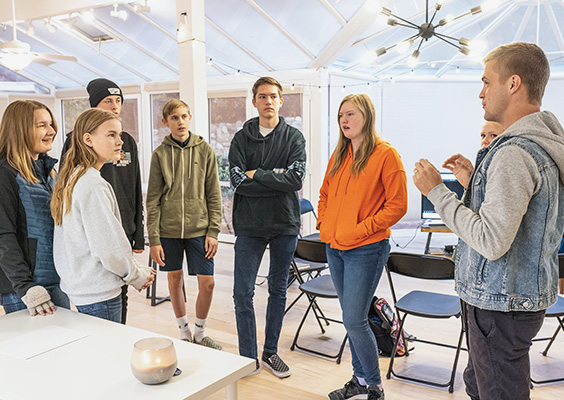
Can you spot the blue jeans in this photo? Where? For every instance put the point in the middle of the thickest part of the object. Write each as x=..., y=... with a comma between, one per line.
x=109, y=309
x=356, y=274
x=12, y=302
x=248, y=255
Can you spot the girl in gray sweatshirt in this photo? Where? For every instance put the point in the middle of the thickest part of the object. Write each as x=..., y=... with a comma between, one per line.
x=91, y=250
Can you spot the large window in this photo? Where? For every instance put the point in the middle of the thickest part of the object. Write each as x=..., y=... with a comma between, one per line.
x=227, y=115
x=129, y=116
x=72, y=108
x=292, y=110
x=158, y=101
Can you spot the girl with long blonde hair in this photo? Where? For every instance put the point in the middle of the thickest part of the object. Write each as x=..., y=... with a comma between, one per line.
x=92, y=253
x=363, y=194
x=27, y=176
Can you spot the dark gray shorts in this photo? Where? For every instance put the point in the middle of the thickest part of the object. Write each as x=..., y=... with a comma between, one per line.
x=194, y=248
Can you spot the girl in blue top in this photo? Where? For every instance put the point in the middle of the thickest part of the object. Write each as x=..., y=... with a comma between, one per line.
x=27, y=272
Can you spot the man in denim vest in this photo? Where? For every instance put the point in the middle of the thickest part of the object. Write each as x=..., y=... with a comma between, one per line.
x=509, y=221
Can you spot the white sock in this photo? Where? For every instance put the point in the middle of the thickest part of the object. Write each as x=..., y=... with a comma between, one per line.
x=361, y=381
x=199, y=329
x=185, y=332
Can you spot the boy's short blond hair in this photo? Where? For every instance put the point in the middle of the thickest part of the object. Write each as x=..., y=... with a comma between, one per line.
x=173, y=105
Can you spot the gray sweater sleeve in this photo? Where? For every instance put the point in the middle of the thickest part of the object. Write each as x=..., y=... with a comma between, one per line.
x=106, y=237
x=512, y=180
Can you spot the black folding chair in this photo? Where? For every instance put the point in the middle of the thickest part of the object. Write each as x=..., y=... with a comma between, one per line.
x=425, y=304
x=308, y=263
x=554, y=311
x=322, y=287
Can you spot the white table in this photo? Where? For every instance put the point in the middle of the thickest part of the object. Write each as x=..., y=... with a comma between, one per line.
x=98, y=365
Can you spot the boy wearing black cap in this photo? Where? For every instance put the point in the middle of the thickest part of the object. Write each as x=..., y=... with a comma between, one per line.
x=124, y=175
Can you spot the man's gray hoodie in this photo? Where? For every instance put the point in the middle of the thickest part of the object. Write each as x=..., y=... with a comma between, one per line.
x=512, y=180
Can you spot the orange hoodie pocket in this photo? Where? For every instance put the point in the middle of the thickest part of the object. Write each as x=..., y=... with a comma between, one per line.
x=348, y=234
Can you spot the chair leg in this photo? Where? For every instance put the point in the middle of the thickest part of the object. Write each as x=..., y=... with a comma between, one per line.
x=342, y=349
x=450, y=383
x=455, y=364
x=395, y=346
x=300, y=326
x=545, y=352
x=560, y=326
x=311, y=306
x=319, y=316
x=152, y=290
x=152, y=287
x=293, y=302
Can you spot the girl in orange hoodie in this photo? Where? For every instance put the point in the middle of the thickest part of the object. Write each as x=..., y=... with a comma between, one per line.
x=364, y=193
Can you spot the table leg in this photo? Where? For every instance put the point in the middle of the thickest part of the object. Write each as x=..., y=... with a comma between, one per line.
x=428, y=243
x=231, y=391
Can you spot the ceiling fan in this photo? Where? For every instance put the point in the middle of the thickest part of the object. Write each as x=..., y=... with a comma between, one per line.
x=16, y=54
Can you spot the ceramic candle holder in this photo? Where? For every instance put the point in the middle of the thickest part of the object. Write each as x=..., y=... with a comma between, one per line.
x=153, y=360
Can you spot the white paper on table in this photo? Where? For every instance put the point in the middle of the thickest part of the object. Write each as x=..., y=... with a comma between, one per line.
x=40, y=341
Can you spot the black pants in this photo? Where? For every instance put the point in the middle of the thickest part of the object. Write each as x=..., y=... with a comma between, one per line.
x=124, y=303
x=498, y=357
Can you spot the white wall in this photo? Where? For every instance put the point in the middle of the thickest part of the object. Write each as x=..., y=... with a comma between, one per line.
x=552, y=100
x=430, y=120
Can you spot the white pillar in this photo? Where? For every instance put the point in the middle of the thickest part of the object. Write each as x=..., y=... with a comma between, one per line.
x=192, y=64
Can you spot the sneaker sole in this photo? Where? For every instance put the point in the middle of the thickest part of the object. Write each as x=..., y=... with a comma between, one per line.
x=210, y=347
x=277, y=373
x=356, y=397
x=220, y=348
x=253, y=373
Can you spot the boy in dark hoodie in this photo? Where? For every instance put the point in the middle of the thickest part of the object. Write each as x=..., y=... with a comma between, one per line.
x=124, y=175
x=267, y=167
x=184, y=216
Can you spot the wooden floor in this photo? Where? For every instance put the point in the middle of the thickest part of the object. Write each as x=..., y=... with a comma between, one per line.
x=314, y=377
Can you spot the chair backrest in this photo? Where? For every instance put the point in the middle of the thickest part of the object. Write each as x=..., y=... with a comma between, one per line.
x=561, y=265
x=305, y=206
x=311, y=250
x=421, y=266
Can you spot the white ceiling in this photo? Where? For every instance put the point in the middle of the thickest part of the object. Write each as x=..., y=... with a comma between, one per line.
x=257, y=36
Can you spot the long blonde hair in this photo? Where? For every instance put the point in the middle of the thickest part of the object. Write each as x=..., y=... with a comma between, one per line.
x=17, y=136
x=78, y=159
x=369, y=136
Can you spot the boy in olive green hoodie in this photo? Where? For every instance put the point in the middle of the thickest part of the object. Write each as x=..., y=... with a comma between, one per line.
x=184, y=216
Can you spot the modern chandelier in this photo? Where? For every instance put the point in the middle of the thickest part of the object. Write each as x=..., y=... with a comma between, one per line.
x=429, y=28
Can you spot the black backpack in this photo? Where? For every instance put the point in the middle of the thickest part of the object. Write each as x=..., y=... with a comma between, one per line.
x=384, y=324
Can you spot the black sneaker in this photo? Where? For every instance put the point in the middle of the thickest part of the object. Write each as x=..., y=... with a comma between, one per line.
x=351, y=390
x=276, y=366
x=375, y=393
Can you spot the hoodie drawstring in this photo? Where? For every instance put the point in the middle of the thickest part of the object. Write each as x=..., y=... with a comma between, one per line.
x=190, y=165
x=172, y=162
